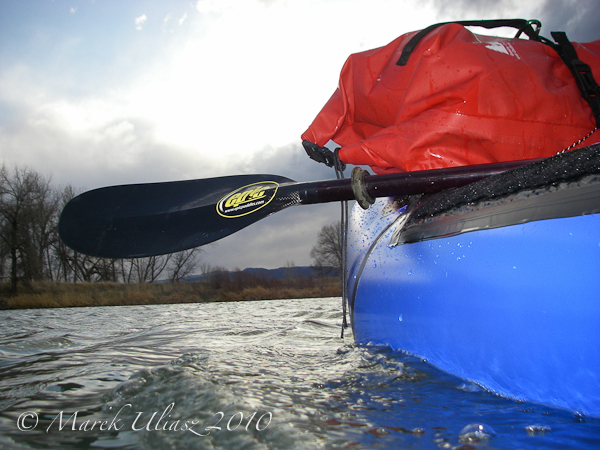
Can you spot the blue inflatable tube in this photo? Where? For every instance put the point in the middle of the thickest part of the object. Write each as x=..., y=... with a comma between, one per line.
x=502, y=293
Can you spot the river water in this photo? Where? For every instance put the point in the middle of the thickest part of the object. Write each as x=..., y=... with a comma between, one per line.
x=243, y=375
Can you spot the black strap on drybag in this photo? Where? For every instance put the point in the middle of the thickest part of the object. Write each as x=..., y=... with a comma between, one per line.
x=588, y=86
x=522, y=25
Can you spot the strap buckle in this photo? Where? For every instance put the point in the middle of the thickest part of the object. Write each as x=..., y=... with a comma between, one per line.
x=323, y=155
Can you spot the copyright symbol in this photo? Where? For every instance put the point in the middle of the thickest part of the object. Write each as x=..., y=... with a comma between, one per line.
x=24, y=422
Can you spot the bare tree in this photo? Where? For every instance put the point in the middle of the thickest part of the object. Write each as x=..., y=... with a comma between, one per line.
x=148, y=270
x=28, y=213
x=43, y=229
x=65, y=259
x=289, y=270
x=327, y=254
x=15, y=193
x=205, y=269
x=184, y=263
x=218, y=277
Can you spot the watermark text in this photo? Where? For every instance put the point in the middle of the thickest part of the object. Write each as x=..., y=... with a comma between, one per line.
x=143, y=421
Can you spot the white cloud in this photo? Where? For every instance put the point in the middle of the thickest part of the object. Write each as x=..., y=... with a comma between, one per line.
x=170, y=24
x=140, y=21
x=256, y=75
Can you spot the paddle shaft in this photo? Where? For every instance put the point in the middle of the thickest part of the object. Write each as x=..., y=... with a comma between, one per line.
x=405, y=183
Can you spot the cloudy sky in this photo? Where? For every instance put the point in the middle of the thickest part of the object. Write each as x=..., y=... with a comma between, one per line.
x=101, y=92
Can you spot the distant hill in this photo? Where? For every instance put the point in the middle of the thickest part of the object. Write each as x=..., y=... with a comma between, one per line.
x=281, y=273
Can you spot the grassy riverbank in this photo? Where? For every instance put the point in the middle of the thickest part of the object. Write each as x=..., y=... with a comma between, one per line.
x=61, y=295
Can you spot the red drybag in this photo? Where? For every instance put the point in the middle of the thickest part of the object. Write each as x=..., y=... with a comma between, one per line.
x=445, y=97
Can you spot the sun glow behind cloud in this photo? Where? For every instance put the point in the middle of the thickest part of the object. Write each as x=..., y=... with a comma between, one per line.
x=252, y=74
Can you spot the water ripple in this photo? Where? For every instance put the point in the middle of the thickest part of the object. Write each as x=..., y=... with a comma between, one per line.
x=270, y=375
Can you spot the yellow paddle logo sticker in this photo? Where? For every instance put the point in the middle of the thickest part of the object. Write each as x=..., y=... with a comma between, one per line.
x=247, y=199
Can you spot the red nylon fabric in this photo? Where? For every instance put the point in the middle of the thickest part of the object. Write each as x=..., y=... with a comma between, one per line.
x=461, y=99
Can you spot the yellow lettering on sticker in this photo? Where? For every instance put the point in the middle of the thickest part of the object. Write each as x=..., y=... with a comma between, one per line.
x=247, y=196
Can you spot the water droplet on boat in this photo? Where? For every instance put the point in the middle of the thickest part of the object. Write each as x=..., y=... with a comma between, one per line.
x=410, y=272
x=476, y=432
x=374, y=265
x=400, y=318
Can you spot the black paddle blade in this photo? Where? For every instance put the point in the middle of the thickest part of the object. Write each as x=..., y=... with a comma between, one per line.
x=140, y=220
